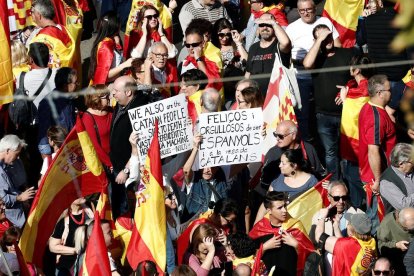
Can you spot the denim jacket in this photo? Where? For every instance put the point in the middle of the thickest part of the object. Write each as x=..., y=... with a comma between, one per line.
x=200, y=194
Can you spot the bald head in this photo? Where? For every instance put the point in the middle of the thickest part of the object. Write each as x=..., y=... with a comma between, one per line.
x=210, y=100
x=123, y=90
x=286, y=133
x=383, y=265
x=406, y=218
x=243, y=270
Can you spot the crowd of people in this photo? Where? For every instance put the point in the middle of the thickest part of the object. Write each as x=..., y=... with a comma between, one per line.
x=349, y=136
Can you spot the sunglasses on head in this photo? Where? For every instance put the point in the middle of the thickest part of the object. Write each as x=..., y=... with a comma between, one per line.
x=149, y=17
x=262, y=25
x=337, y=198
x=384, y=272
x=194, y=45
x=222, y=35
x=170, y=196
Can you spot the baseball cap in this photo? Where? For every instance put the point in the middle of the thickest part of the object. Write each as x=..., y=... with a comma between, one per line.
x=361, y=222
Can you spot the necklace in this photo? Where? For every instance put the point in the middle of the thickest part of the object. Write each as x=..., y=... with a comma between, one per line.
x=82, y=220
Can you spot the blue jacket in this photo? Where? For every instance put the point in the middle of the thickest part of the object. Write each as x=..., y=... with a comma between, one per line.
x=200, y=194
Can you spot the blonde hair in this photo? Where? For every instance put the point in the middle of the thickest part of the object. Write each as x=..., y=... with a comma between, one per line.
x=18, y=53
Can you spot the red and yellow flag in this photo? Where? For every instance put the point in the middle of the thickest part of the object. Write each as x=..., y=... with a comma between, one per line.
x=132, y=27
x=19, y=13
x=349, y=140
x=24, y=270
x=6, y=76
x=307, y=204
x=96, y=260
x=148, y=240
x=344, y=16
x=278, y=104
x=75, y=172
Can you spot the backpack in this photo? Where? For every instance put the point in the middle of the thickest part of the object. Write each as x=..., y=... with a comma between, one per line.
x=22, y=111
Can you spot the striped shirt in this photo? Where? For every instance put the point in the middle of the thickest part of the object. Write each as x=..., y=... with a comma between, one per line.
x=194, y=9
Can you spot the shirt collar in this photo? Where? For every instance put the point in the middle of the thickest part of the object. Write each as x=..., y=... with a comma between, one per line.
x=401, y=174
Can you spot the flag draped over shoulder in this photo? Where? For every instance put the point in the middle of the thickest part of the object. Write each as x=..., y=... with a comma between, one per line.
x=19, y=14
x=96, y=260
x=131, y=32
x=344, y=16
x=349, y=140
x=278, y=104
x=75, y=172
x=24, y=271
x=6, y=76
x=148, y=240
x=307, y=204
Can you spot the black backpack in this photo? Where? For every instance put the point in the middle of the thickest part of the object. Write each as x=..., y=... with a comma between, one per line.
x=22, y=111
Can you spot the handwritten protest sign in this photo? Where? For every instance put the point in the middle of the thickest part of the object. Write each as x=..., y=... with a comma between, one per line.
x=175, y=132
x=230, y=137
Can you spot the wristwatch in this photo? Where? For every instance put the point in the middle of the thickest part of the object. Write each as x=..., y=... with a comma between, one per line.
x=126, y=171
x=199, y=59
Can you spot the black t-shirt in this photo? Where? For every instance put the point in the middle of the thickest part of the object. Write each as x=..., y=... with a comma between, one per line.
x=67, y=261
x=325, y=83
x=261, y=61
x=283, y=258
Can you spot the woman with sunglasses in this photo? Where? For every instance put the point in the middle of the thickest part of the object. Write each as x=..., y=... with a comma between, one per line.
x=149, y=32
x=97, y=120
x=229, y=42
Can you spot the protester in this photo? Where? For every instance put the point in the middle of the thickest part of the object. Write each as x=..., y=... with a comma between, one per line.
x=383, y=266
x=250, y=97
x=10, y=148
x=97, y=121
x=150, y=32
x=183, y=270
x=20, y=58
x=193, y=83
x=106, y=54
x=396, y=185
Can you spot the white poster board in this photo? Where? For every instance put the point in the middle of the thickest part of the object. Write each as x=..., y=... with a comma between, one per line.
x=175, y=130
x=230, y=137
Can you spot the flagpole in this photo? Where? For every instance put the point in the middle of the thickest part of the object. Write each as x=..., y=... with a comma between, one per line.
x=5, y=263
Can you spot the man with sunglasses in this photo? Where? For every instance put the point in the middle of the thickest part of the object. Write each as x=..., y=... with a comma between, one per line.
x=394, y=235
x=384, y=267
x=336, y=222
x=273, y=41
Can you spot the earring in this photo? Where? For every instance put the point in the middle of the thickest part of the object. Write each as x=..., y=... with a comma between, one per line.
x=293, y=173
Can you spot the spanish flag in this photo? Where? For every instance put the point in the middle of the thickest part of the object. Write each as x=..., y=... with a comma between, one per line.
x=124, y=226
x=293, y=227
x=307, y=204
x=75, y=172
x=131, y=32
x=6, y=76
x=356, y=98
x=96, y=260
x=61, y=45
x=344, y=16
x=148, y=240
x=24, y=270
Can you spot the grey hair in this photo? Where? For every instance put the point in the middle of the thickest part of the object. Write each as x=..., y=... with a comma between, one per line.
x=376, y=83
x=155, y=45
x=11, y=142
x=401, y=153
x=336, y=183
x=45, y=8
x=302, y=1
x=402, y=216
x=252, y=83
x=211, y=100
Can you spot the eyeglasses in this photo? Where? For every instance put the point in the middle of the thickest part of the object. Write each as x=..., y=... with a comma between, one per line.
x=338, y=198
x=160, y=55
x=382, y=272
x=222, y=35
x=229, y=221
x=263, y=25
x=170, y=196
x=194, y=45
x=385, y=90
x=308, y=10
x=149, y=17
x=281, y=136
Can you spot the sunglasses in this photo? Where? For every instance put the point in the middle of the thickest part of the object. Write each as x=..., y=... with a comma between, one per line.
x=263, y=25
x=382, y=272
x=170, y=196
x=337, y=198
x=308, y=10
x=9, y=243
x=281, y=136
x=194, y=45
x=149, y=17
x=222, y=35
